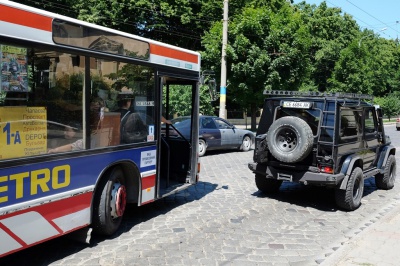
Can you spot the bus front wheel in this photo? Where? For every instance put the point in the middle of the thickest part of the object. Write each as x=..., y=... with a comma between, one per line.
x=109, y=203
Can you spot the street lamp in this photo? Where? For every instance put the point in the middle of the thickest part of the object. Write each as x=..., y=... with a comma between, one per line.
x=359, y=42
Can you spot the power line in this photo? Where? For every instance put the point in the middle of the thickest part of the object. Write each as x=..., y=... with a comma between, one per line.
x=207, y=19
x=350, y=14
x=179, y=30
x=372, y=16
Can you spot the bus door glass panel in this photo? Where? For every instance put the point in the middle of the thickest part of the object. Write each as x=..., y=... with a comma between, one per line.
x=210, y=132
x=371, y=136
x=228, y=134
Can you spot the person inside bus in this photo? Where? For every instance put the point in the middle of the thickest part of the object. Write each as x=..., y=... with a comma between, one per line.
x=165, y=121
x=124, y=103
x=71, y=132
x=96, y=115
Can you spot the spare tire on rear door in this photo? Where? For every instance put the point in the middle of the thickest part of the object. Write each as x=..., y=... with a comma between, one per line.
x=290, y=139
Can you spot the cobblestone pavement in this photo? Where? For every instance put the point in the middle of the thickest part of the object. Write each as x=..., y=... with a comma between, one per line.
x=224, y=220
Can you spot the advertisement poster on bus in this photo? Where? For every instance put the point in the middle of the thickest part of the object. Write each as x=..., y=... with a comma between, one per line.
x=14, y=68
x=23, y=131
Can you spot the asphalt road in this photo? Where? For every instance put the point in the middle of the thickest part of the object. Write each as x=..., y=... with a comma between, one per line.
x=225, y=220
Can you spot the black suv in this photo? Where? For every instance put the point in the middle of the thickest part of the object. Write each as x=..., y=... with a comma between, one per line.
x=325, y=139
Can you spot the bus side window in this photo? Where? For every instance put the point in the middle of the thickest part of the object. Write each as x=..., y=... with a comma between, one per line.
x=16, y=99
x=133, y=129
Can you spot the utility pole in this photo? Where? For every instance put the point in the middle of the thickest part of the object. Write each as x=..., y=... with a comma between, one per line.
x=222, y=99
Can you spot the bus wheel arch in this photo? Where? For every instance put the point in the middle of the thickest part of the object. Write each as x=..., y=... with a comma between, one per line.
x=113, y=191
x=133, y=182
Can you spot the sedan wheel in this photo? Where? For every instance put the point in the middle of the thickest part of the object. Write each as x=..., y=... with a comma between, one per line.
x=202, y=147
x=246, y=144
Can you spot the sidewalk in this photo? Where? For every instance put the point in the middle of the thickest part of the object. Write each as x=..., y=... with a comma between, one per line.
x=377, y=243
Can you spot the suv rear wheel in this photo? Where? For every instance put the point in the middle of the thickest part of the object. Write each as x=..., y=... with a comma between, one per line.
x=386, y=180
x=290, y=139
x=267, y=185
x=350, y=198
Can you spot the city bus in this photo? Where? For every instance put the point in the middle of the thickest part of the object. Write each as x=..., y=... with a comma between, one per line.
x=71, y=157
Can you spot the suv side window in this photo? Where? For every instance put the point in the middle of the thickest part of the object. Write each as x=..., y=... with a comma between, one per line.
x=370, y=123
x=350, y=125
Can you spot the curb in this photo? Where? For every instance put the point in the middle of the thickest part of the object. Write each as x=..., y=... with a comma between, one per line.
x=347, y=253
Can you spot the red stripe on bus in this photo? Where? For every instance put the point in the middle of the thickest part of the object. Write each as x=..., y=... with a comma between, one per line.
x=172, y=53
x=59, y=208
x=14, y=236
x=148, y=181
x=24, y=245
x=25, y=18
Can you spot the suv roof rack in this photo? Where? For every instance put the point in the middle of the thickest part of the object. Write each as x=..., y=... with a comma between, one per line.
x=347, y=95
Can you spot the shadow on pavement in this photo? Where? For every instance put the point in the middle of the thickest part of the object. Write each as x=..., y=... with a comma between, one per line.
x=319, y=198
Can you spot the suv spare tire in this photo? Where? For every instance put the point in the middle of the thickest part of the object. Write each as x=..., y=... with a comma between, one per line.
x=290, y=139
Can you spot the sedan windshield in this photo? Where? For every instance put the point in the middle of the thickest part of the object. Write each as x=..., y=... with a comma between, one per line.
x=181, y=122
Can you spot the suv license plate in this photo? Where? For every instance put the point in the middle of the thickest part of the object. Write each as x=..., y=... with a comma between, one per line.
x=301, y=105
x=285, y=177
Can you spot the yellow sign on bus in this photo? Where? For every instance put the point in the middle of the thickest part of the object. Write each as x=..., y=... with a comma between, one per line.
x=23, y=131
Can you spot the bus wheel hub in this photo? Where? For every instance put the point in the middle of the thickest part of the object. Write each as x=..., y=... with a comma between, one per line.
x=118, y=200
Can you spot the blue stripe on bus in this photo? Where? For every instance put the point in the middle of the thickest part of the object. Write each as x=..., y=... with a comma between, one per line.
x=31, y=182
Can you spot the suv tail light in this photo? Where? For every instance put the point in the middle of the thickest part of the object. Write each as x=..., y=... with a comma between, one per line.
x=326, y=169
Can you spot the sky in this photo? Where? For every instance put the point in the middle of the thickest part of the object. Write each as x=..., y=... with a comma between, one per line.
x=372, y=14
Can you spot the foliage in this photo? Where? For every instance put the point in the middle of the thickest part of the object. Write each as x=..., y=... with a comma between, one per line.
x=265, y=51
x=368, y=68
x=272, y=44
x=330, y=32
x=64, y=7
x=180, y=100
x=389, y=104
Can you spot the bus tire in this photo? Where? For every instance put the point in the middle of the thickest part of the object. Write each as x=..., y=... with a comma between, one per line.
x=109, y=203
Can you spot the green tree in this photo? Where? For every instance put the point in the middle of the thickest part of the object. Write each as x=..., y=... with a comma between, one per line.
x=177, y=22
x=266, y=50
x=368, y=67
x=390, y=105
x=331, y=32
x=180, y=99
x=63, y=7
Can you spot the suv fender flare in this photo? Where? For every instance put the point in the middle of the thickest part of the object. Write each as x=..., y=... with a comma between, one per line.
x=347, y=168
x=386, y=151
